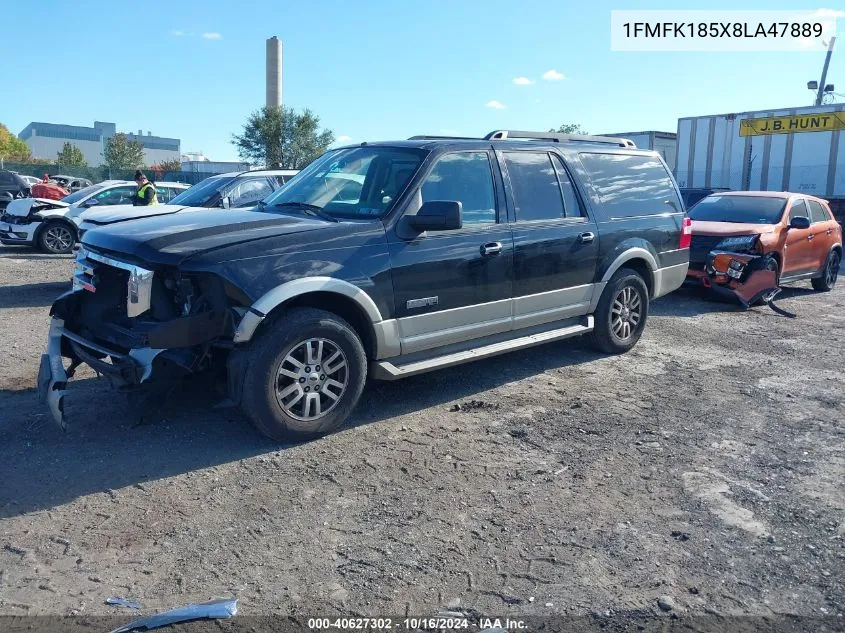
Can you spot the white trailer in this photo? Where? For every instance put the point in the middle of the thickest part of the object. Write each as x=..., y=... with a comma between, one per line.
x=663, y=142
x=786, y=149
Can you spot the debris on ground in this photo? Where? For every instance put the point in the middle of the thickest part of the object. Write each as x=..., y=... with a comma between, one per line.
x=124, y=602
x=222, y=608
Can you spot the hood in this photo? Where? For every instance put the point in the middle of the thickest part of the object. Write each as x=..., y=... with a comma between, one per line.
x=730, y=228
x=22, y=207
x=170, y=239
x=122, y=212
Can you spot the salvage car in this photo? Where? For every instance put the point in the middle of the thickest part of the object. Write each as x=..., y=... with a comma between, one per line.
x=51, y=225
x=227, y=191
x=452, y=250
x=737, y=236
x=71, y=183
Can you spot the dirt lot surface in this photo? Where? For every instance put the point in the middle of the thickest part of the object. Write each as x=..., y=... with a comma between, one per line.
x=705, y=470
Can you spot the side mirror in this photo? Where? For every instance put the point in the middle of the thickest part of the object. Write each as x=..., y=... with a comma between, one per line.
x=799, y=222
x=437, y=215
x=225, y=202
x=93, y=202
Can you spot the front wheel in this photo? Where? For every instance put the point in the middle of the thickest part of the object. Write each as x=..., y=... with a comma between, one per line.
x=57, y=238
x=830, y=273
x=305, y=374
x=621, y=313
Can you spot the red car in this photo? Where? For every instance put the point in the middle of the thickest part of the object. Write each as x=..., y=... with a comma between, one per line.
x=792, y=235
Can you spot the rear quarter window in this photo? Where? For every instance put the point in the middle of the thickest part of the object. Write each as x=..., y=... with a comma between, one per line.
x=630, y=185
x=817, y=212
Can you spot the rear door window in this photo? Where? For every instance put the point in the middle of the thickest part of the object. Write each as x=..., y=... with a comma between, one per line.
x=571, y=204
x=817, y=212
x=631, y=185
x=536, y=190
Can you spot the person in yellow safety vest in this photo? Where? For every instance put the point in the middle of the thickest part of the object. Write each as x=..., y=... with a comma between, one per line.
x=146, y=193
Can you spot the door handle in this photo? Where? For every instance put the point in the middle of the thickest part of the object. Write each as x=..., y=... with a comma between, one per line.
x=811, y=236
x=491, y=248
x=586, y=238
x=830, y=231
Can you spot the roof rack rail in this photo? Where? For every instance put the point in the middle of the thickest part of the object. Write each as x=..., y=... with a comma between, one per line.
x=501, y=135
x=429, y=137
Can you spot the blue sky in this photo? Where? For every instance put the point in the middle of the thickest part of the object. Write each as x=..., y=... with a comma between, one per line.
x=375, y=69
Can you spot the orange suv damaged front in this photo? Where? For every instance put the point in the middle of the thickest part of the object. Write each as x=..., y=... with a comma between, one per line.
x=744, y=244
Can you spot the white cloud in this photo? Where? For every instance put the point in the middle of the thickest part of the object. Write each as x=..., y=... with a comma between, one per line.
x=522, y=81
x=496, y=105
x=212, y=36
x=177, y=33
x=343, y=138
x=553, y=75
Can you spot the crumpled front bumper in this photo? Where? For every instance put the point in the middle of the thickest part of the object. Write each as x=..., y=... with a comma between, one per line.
x=18, y=233
x=132, y=368
x=740, y=276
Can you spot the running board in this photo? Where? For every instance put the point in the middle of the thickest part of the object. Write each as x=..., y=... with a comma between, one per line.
x=387, y=370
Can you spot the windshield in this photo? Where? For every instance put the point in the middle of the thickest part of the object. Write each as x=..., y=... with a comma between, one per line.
x=739, y=209
x=358, y=182
x=202, y=193
x=76, y=196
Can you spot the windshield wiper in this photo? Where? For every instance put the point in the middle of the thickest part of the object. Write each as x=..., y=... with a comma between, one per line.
x=310, y=209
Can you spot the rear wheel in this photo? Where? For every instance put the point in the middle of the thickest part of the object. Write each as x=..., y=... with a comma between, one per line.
x=621, y=313
x=304, y=375
x=56, y=237
x=830, y=273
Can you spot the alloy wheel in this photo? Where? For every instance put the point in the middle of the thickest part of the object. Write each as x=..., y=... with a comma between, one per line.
x=311, y=379
x=626, y=312
x=58, y=239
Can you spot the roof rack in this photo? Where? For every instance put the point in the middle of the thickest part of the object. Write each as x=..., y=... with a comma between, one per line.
x=428, y=137
x=501, y=135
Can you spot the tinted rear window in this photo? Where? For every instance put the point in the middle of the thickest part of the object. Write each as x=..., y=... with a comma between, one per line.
x=739, y=209
x=631, y=185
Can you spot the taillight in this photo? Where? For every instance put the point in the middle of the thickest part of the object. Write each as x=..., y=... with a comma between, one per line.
x=686, y=234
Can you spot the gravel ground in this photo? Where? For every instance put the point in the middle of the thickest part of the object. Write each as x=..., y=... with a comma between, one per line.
x=703, y=471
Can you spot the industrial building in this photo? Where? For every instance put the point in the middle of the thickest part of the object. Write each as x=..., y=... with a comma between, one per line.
x=45, y=140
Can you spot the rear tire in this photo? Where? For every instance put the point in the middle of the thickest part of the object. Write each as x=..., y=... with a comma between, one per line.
x=830, y=273
x=621, y=314
x=56, y=238
x=305, y=374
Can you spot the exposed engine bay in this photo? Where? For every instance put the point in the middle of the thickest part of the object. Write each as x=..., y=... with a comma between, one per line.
x=135, y=326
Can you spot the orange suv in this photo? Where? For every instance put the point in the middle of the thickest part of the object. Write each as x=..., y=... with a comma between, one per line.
x=792, y=235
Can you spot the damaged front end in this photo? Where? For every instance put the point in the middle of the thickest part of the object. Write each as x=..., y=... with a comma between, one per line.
x=134, y=325
x=737, y=269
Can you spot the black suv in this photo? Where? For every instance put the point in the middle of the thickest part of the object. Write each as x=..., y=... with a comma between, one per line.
x=381, y=259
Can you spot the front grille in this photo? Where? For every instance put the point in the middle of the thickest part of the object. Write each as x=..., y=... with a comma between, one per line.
x=135, y=283
x=701, y=246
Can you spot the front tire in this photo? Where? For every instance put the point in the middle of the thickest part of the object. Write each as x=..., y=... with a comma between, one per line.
x=57, y=238
x=830, y=273
x=305, y=374
x=621, y=313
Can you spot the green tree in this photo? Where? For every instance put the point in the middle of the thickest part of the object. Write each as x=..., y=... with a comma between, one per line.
x=121, y=153
x=71, y=155
x=12, y=148
x=282, y=138
x=570, y=128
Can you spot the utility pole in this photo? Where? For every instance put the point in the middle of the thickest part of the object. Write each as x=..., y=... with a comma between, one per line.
x=820, y=93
